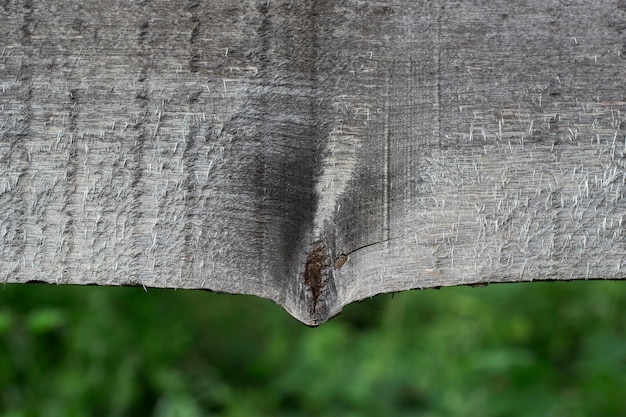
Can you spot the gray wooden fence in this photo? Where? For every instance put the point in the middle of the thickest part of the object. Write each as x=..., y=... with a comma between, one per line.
x=312, y=152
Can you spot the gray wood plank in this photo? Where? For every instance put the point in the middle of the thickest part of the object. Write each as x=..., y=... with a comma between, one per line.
x=314, y=153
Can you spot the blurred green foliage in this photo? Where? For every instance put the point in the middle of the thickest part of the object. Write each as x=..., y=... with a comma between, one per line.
x=541, y=349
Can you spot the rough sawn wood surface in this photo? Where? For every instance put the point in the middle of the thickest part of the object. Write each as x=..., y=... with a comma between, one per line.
x=312, y=152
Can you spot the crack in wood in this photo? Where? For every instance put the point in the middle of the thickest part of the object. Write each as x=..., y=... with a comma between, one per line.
x=342, y=258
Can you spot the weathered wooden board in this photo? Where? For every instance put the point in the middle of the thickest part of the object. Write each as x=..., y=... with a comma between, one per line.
x=312, y=152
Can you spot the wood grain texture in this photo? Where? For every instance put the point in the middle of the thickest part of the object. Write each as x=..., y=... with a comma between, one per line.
x=314, y=153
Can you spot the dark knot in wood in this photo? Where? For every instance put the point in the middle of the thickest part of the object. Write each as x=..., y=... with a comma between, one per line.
x=314, y=277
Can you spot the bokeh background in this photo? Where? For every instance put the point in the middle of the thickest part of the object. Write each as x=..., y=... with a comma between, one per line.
x=540, y=349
